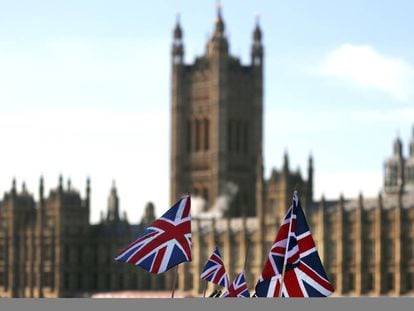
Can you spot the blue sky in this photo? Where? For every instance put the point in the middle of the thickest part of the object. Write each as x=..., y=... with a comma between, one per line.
x=85, y=90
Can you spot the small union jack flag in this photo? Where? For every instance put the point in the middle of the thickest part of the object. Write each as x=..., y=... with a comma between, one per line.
x=238, y=288
x=165, y=244
x=304, y=274
x=214, y=270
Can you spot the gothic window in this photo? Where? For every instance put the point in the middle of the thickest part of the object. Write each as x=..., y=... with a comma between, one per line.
x=48, y=252
x=350, y=253
x=50, y=222
x=229, y=136
x=80, y=254
x=206, y=134
x=188, y=136
x=272, y=208
x=66, y=281
x=389, y=249
x=26, y=279
x=410, y=281
x=238, y=135
x=370, y=282
x=80, y=285
x=95, y=281
x=2, y=252
x=197, y=135
x=108, y=254
x=410, y=249
x=390, y=281
x=48, y=279
x=246, y=137
x=235, y=253
x=370, y=251
x=3, y=223
x=351, y=281
x=331, y=251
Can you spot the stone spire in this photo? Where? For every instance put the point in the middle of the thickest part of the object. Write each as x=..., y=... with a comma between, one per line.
x=218, y=45
x=177, y=45
x=113, y=205
x=257, y=46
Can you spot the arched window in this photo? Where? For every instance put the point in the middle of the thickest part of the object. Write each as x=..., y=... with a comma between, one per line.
x=188, y=136
x=197, y=135
x=238, y=135
x=246, y=137
x=206, y=134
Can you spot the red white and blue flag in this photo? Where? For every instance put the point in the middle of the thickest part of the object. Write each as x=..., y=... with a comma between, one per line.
x=165, y=244
x=238, y=288
x=214, y=270
x=304, y=274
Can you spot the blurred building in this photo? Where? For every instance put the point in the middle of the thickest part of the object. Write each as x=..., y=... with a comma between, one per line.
x=48, y=248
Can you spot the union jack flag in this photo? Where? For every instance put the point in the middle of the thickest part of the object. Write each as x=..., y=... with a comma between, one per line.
x=238, y=288
x=304, y=274
x=214, y=270
x=165, y=244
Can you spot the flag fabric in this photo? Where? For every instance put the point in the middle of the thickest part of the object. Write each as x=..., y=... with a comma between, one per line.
x=238, y=288
x=214, y=270
x=304, y=274
x=166, y=243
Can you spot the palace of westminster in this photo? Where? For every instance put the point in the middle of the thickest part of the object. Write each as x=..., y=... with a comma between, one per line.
x=48, y=248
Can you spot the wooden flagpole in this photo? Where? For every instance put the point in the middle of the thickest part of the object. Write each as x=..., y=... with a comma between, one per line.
x=286, y=251
x=174, y=281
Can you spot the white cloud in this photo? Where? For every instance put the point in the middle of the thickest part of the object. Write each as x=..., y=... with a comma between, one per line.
x=364, y=66
x=395, y=116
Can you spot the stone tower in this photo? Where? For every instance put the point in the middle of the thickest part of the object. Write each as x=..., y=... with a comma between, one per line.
x=394, y=169
x=217, y=121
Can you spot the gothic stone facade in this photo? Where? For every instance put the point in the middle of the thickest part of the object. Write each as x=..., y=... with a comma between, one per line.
x=49, y=249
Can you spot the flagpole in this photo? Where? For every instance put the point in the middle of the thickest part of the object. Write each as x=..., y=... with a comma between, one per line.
x=205, y=289
x=286, y=251
x=174, y=281
x=247, y=254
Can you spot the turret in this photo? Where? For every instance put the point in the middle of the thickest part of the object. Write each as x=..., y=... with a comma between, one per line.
x=309, y=188
x=409, y=166
x=88, y=192
x=13, y=189
x=149, y=214
x=218, y=45
x=394, y=169
x=286, y=162
x=257, y=47
x=113, y=205
x=178, y=46
x=60, y=186
x=41, y=189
